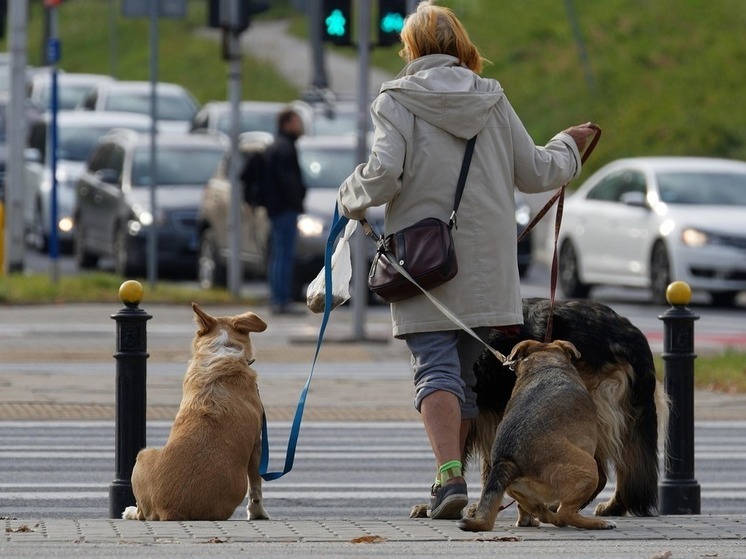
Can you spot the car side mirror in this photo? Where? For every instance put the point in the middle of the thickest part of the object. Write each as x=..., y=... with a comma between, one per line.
x=109, y=176
x=635, y=198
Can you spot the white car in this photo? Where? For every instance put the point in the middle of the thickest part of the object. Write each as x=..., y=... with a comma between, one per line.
x=175, y=105
x=71, y=88
x=645, y=222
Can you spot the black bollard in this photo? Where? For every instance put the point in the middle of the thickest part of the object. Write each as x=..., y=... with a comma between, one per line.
x=130, y=395
x=679, y=492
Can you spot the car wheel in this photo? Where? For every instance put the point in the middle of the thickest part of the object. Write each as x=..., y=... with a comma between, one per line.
x=660, y=273
x=39, y=239
x=210, y=271
x=84, y=259
x=723, y=298
x=123, y=264
x=569, y=276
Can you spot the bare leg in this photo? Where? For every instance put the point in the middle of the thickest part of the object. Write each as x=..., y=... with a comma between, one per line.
x=441, y=414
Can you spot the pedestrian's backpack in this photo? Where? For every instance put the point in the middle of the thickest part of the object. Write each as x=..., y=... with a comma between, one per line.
x=255, y=177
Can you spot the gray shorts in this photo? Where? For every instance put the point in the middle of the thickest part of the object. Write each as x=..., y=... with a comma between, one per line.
x=445, y=361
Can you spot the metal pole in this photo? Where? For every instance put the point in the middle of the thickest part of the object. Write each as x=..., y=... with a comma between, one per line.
x=131, y=396
x=235, y=271
x=152, y=245
x=360, y=260
x=582, y=51
x=16, y=134
x=679, y=492
x=320, y=79
x=52, y=56
x=113, y=47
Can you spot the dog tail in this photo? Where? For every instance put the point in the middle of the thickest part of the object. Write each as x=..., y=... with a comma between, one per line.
x=503, y=473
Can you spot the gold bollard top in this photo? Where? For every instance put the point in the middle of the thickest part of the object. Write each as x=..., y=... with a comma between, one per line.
x=678, y=293
x=130, y=293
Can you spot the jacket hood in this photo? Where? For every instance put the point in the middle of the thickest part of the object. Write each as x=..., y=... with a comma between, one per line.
x=437, y=89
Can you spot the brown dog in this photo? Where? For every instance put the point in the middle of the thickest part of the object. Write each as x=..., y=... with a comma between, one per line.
x=543, y=453
x=215, y=442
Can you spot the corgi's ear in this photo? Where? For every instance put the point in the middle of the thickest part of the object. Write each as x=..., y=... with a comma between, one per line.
x=569, y=348
x=248, y=322
x=522, y=349
x=204, y=321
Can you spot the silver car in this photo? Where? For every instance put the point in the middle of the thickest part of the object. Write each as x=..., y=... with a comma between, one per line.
x=77, y=135
x=113, y=212
x=325, y=162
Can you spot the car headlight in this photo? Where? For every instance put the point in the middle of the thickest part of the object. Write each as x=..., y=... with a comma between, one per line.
x=65, y=224
x=522, y=215
x=310, y=226
x=145, y=218
x=694, y=238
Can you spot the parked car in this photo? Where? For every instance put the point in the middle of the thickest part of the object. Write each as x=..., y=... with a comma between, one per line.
x=644, y=222
x=175, y=106
x=31, y=113
x=215, y=116
x=325, y=162
x=523, y=216
x=71, y=88
x=77, y=135
x=334, y=119
x=113, y=213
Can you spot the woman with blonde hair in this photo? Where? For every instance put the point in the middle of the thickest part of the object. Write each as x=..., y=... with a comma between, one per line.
x=423, y=119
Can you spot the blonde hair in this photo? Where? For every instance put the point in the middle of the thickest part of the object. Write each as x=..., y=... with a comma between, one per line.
x=435, y=29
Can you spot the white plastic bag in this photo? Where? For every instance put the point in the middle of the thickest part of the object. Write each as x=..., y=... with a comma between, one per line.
x=341, y=275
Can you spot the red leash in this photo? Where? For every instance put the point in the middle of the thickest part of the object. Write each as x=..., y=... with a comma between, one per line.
x=558, y=197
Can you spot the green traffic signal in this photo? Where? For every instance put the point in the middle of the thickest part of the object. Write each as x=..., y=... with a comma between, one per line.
x=391, y=14
x=392, y=22
x=336, y=24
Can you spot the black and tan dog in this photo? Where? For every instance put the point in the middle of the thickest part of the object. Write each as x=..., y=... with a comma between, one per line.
x=213, y=452
x=543, y=453
x=617, y=368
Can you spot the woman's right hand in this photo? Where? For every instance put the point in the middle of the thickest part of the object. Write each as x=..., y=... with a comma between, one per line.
x=581, y=133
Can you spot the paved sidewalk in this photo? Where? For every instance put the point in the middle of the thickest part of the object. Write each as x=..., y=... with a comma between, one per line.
x=690, y=536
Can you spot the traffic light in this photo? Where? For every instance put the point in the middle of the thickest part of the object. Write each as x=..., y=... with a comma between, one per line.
x=336, y=21
x=234, y=15
x=391, y=14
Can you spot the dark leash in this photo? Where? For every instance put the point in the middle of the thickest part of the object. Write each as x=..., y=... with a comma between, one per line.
x=559, y=198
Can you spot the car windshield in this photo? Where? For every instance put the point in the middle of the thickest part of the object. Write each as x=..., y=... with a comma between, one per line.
x=326, y=167
x=334, y=123
x=185, y=166
x=76, y=143
x=169, y=107
x=702, y=188
x=250, y=121
x=68, y=95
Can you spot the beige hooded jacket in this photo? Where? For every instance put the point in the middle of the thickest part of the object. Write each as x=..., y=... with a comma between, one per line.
x=422, y=120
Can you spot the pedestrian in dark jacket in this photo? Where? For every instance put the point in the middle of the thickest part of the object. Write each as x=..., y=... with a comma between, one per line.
x=284, y=202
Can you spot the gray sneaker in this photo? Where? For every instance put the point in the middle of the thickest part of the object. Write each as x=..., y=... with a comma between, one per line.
x=447, y=501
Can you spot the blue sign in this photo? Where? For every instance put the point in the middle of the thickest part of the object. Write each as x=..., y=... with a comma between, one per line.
x=53, y=50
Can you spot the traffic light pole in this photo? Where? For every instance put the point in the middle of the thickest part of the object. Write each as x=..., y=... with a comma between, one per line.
x=359, y=264
x=320, y=79
x=235, y=269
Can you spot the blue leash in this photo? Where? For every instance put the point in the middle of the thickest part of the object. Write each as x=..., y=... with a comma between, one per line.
x=338, y=225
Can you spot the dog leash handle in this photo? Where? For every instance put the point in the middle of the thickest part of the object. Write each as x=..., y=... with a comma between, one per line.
x=338, y=225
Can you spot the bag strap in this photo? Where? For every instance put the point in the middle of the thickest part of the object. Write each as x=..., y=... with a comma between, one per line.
x=462, y=180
